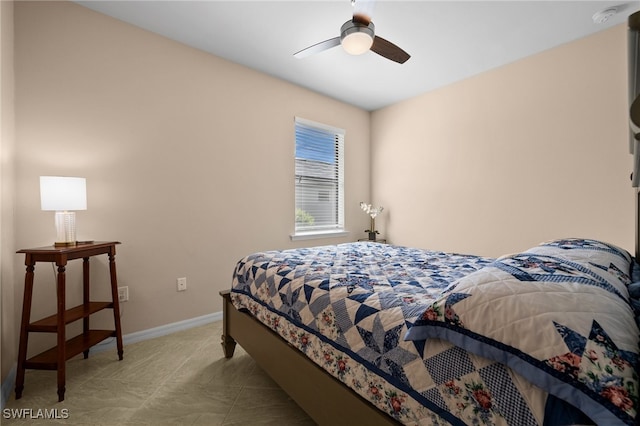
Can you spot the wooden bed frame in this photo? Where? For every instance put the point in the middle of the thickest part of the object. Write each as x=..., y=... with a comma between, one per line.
x=324, y=398
x=637, y=225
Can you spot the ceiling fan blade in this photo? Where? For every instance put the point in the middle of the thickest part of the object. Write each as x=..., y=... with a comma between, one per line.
x=318, y=47
x=389, y=50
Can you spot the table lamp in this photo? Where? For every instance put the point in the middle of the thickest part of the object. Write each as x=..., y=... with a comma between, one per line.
x=63, y=194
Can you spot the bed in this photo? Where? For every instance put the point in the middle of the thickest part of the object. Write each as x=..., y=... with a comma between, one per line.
x=370, y=333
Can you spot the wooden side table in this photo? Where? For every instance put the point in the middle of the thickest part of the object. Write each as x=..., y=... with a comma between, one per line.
x=56, y=357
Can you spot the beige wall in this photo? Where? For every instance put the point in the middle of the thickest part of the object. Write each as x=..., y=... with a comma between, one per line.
x=496, y=163
x=7, y=287
x=188, y=158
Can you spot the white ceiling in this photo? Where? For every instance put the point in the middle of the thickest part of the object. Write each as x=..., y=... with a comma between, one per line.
x=447, y=40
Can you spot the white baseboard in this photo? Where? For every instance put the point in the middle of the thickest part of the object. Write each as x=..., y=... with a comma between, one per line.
x=162, y=330
x=9, y=383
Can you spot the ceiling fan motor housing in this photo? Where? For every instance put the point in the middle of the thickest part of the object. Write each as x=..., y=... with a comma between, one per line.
x=357, y=37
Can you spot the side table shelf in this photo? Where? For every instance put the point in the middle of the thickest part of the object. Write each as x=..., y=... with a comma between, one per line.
x=56, y=357
x=48, y=360
x=50, y=324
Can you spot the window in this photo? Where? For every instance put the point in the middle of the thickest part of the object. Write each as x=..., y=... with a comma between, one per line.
x=319, y=178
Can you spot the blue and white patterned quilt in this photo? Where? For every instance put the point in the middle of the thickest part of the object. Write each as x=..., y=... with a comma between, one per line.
x=349, y=307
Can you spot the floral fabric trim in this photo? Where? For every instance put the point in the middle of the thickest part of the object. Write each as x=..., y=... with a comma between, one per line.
x=379, y=392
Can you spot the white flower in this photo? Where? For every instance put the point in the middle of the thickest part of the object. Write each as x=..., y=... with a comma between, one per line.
x=371, y=211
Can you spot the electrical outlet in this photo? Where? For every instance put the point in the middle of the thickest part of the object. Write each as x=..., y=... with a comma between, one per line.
x=123, y=294
x=182, y=284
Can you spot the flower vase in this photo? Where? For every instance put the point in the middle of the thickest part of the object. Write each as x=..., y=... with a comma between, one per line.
x=372, y=230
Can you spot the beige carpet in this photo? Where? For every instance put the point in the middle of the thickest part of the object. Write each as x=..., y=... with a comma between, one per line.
x=179, y=379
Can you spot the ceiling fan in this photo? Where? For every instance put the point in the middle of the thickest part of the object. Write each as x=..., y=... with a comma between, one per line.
x=357, y=36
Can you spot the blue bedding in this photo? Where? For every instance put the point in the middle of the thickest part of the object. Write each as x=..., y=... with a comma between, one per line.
x=349, y=308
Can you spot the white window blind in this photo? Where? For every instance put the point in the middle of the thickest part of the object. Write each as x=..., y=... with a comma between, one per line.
x=319, y=177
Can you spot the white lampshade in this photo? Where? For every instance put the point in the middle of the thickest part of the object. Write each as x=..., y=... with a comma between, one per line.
x=63, y=193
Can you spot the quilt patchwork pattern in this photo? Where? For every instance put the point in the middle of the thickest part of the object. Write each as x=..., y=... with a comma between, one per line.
x=348, y=308
x=564, y=322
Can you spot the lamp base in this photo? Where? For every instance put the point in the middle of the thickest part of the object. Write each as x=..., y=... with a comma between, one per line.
x=65, y=229
x=65, y=244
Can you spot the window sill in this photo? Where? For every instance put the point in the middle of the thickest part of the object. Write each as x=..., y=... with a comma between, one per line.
x=312, y=235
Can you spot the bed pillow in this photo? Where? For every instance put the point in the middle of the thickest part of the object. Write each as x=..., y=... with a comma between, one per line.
x=559, y=315
x=609, y=257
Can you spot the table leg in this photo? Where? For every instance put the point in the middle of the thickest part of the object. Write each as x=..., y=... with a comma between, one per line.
x=116, y=301
x=62, y=348
x=24, y=334
x=85, y=300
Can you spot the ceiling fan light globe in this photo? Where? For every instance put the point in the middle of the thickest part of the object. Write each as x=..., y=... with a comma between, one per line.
x=357, y=43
